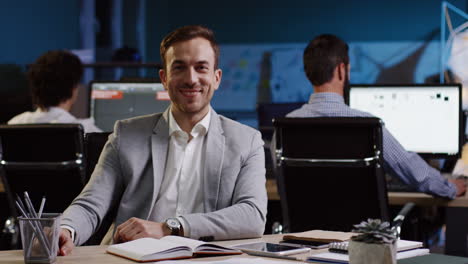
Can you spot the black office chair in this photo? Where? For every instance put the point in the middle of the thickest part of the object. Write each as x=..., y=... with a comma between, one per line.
x=94, y=143
x=43, y=159
x=330, y=172
x=266, y=112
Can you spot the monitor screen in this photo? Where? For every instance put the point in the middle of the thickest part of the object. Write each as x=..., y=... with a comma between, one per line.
x=426, y=119
x=112, y=101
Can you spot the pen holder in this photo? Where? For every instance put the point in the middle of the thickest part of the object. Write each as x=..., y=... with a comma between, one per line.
x=40, y=238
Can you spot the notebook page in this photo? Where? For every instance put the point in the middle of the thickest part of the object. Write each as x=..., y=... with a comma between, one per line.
x=183, y=241
x=237, y=260
x=403, y=245
x=344, y=258
x=139, y=248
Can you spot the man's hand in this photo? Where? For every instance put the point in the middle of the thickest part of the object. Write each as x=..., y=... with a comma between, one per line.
x=66, y=245
x=460, y=185
x=135, y=228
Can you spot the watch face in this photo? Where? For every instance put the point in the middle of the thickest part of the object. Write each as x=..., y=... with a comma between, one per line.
x=173, y=223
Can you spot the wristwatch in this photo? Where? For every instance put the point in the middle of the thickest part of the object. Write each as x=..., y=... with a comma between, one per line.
x=174, y=226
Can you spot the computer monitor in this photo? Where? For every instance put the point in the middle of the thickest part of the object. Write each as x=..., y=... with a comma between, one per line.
x=115, y=100
x=424, y=118
x=266, y=112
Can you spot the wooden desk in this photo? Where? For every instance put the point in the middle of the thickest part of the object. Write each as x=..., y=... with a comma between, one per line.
x=422, y=199
x=97, y=254
x=394, y=198
x=272, y=190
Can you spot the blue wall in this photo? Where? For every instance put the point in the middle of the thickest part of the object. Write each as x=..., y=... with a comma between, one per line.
x=30, y=27
x=250, y=21
x=378, y=28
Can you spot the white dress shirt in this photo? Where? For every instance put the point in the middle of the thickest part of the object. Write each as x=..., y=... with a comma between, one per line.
x=53, y=115
x=182, y=185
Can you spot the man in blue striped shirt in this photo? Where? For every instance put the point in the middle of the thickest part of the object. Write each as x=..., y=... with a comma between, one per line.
x=326, y=64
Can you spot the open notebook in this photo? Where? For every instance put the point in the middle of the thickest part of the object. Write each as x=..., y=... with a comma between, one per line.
x=168, y=247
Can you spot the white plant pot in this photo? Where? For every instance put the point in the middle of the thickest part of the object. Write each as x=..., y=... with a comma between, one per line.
x=364, y=253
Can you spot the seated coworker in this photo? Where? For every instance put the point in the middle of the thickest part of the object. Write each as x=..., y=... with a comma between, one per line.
x=187, y=171
x=54, y=79
x=326, y=64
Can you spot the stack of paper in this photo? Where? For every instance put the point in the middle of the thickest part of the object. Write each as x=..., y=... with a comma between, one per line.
x=405, y=249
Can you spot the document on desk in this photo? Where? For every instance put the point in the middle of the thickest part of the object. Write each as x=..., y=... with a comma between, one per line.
x=234, y=260
x=331, y=257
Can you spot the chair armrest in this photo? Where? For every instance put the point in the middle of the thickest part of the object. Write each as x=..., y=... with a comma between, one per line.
x=398, y=220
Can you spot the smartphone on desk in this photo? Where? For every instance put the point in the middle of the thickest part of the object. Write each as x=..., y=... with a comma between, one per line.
x=305, y=243
x=270, y=249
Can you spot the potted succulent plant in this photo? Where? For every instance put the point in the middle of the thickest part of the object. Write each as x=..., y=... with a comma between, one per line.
x=375, y=243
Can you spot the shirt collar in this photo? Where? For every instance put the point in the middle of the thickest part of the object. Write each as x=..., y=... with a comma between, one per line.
x=55, y=112
x=200, y=128
x=52, y=109
x=329, y=97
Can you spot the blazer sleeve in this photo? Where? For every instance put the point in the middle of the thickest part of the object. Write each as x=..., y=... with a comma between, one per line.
x=246, y=216
x=100, y=194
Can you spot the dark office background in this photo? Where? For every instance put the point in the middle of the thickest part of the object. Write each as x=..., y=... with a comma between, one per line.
x=31, y=27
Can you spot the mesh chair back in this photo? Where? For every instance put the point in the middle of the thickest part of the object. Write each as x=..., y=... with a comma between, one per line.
x=43, y=159
x=94, y=143
x=330, y=173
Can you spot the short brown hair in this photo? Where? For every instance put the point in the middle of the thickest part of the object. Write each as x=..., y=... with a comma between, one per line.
x=186, y=33
x=321, y=57
x=53, y=76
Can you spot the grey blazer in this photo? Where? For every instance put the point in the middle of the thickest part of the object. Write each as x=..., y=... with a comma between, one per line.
x=129, y=173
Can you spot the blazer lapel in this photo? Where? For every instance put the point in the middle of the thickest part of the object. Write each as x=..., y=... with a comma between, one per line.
x=214, y=156
x=159, y=145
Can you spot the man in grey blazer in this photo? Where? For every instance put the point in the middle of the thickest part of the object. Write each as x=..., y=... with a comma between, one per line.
x=187, y=171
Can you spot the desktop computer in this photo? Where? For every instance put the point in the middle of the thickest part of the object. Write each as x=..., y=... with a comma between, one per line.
x=424, y=118
x=115, y=100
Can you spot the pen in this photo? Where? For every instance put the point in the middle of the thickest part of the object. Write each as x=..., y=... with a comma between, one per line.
x=21, y=205
x=29, y=205
x=42, y=206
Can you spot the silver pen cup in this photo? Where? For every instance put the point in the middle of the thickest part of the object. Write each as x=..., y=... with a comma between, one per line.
x=40, y=238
